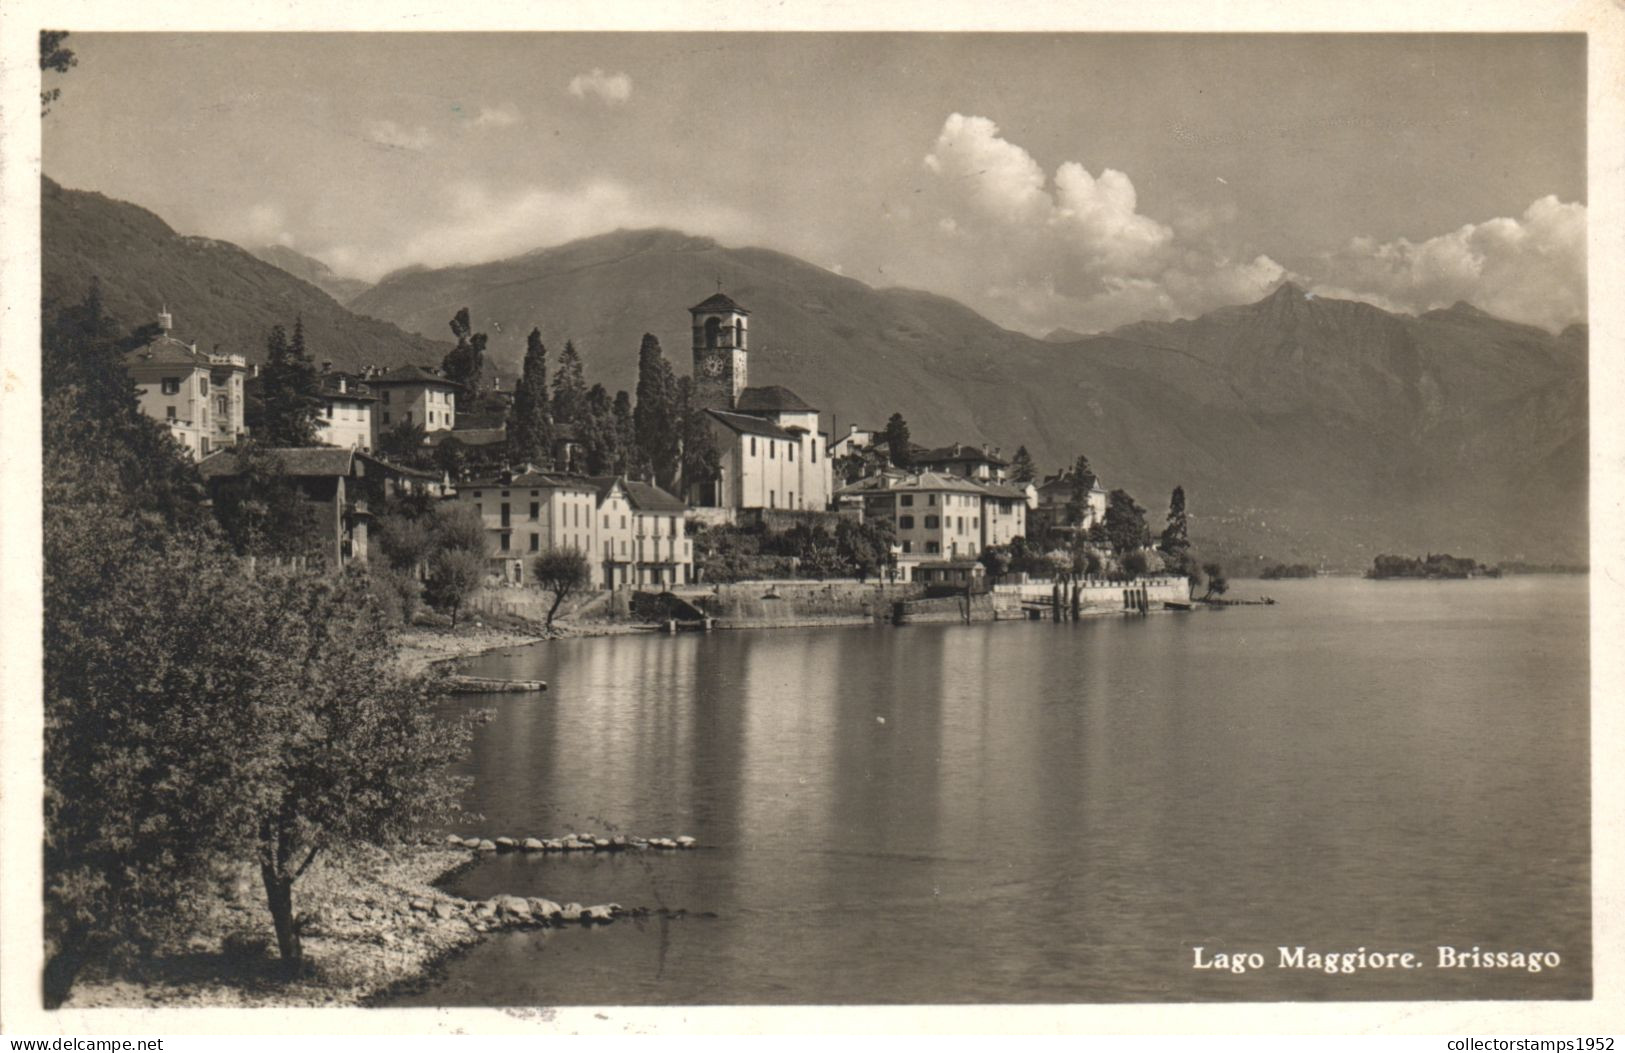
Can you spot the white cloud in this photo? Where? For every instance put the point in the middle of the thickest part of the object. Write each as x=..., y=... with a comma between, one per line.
x=1073, y=250
x=1530, y=269
x=388, y=133
x=503, y=116
x=477, y=225
x=611, y=88
x=265, y=224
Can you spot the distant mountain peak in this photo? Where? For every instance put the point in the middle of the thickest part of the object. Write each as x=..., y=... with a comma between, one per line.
x=1286, y=291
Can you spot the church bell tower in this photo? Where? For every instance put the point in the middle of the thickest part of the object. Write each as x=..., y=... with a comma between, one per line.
x=720, y=338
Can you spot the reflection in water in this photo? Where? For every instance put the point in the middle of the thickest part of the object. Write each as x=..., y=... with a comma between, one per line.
x=1054, y=813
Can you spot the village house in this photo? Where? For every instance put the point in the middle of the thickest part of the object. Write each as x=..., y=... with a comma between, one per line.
x=1056, y=493
x=939, y=518
x=855, y=439
x=413, y=395
x=772, y=453
x=660, y=551
x=972, y=462
x=344, y=486
x=198, y=395
x=531, y=512
x=345, y=418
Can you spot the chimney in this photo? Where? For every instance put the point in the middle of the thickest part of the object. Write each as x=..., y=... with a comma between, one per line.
x=166, y=321
x=327, y=367
x=341, y=385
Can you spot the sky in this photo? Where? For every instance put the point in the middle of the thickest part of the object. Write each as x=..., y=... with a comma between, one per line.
x=1063, y=180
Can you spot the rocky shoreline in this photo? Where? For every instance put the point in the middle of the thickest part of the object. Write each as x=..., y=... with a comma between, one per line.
x=376, y=923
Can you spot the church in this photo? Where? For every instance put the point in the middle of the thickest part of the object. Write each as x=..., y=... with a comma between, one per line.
x=772, y=453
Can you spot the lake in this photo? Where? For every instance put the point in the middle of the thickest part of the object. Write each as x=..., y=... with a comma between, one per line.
x=1028, y=812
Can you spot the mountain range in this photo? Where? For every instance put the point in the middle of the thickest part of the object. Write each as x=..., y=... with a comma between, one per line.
x=219, y=294
x=1302, y=428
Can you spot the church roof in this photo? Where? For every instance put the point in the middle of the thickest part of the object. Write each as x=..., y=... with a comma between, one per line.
x=748, y=425
x=958, y=452
x=772, y=399
x=718, y=301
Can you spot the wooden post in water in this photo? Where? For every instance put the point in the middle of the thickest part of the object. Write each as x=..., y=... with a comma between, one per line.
x=1077, y=600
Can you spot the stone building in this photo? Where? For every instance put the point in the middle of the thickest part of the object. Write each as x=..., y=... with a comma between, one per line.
x=772, y=453
x=199, y=395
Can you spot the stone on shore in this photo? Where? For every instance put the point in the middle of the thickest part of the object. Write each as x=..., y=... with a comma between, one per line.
x=443, y=910
x=571, y=912
x=505, y=844
x=471, y=842
x=516, y=906
x=487, y=846
x=544, y=908
x=421, y=905
x=454, y=839
x=686, y=842
x=530, y=844
x=601, y=914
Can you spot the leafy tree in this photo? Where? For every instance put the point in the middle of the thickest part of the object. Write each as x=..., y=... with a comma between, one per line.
x=1022, y=469
x=465, y=363
x=404, y=443
x=53, y=57
x=261, y=510
x=356, y=751
x=895, y=436
x=93, y=431
x=406, y=542
x=996, y=560
x=289, y=391
x=1217, y=583
x=569, y=390
x=861, y=463
x=1126, y=529
x=458, y=527
x=562, y=572
x=867, y=546
x=659, y=435
x=1135, y=563
x=530, y=418
x=455, y=574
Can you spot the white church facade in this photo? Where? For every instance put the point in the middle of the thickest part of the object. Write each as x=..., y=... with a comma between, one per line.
x=773, y=455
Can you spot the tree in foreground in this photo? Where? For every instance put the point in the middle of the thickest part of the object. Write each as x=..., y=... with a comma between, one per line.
x=563, y=572
x=1126, y=528
x=53, y=58
x=355, y=752
x=1217, y=583
x=701, y=461
x=898, y=445
x=569, y=389
x=1175, y=543
x=655, y=418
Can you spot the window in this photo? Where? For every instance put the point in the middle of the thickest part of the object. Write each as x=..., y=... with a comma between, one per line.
x=815, y=451
x=790, y=497
x=479, y=508
x=908, y=500
x=623, y=522
x=386, y=416
x=932, y=522
x=790, y=450
x=476, y=493
x=505, y=513
x=329, y=411
x=409, y=416
x=170, y=385
x=505, y=493
x=770, y=501
x=535, y=542
x=431, y=416
x=202, y=385
x=976, y=522
x=905, y=522
x=908, y=546
x=386, y=401
x=535, y=493
x=502, y=542
x=606, y=522
x=961, y=527
x=753, y=446
x=930, y=499
x=771, y=445
x=535, y=510
x=203, y=445
x=673, y=525
x=932, y=548
x=169, y=412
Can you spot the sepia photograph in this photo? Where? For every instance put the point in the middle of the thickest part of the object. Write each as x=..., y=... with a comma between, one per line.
x=698, y=518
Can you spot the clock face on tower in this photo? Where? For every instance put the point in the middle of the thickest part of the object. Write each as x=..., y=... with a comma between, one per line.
x=713, y=366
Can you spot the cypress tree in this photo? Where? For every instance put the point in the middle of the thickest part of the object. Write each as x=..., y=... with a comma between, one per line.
x=569, y=391
x=289, y=387
x=626, y=438
x=897, y=441
x=1021, y=466
x=659, y=445
x=530, y=418
x=465, y=363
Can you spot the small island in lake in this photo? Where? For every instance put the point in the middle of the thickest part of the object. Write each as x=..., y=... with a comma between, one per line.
x=1433, y=566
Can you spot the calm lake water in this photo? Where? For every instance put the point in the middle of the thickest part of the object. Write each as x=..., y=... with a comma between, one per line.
x=1031, y=812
